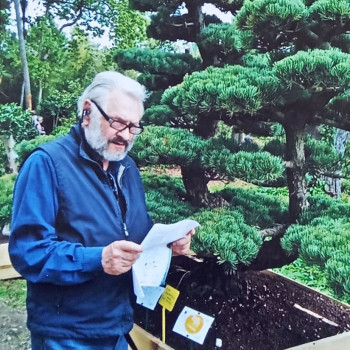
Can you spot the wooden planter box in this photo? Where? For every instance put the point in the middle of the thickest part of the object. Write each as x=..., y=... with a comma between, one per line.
x=146, y=341
x=6, y=269
x=337, y=342
x=323, y=330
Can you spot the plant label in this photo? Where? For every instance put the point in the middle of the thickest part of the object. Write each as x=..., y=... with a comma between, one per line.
x=193, y=324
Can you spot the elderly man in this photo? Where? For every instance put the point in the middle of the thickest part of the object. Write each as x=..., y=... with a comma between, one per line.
x=79, y=216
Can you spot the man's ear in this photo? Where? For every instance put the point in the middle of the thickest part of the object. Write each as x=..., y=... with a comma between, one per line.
x=86, y=112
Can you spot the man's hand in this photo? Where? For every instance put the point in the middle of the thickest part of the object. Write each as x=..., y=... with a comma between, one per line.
x=182, y=246
x=118, y=257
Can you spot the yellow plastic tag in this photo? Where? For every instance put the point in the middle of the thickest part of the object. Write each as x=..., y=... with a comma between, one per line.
x=169, y=297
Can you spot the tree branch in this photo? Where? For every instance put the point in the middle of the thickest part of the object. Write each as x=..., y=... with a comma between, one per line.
x=69, y=24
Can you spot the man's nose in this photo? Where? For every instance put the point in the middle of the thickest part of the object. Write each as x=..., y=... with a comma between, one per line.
x=125, y=133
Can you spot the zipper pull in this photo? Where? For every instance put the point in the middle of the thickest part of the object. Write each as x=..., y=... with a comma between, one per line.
x=126, y=230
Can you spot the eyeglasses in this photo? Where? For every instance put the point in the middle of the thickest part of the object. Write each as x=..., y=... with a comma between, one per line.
x=118, y=124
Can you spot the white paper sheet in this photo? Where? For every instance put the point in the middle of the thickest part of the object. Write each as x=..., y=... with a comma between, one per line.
x=151, y=268
x=151, y=297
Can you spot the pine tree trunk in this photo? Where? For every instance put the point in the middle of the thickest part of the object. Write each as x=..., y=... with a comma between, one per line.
x=195, y=184
x=334, y=183
x=194, y=178
x=295, y=157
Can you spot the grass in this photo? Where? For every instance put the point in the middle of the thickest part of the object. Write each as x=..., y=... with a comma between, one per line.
x=13, y=292
x=311, y=276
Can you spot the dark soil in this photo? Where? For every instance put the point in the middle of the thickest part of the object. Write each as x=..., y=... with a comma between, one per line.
x=254, y=311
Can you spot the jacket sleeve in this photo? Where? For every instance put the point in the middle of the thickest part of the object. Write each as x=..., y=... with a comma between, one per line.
x=35, y=251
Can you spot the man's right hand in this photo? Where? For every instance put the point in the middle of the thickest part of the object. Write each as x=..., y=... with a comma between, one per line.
x=119, y=256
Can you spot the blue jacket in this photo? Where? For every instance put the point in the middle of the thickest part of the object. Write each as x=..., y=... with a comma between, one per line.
x=64, y=213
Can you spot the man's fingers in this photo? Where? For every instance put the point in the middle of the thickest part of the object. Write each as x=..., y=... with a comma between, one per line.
x=192, y=232
x=182, y=241
x=128, y=246
x=118, y=257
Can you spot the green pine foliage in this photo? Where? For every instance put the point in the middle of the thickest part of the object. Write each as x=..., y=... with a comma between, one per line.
x=157, y=62
x=232, y=88
x=330, y=10
x=320, y=156
x=265, y=14
x=338, y=270
x=161, y=145
x=24, y=148
x=268, y=208
x=165, y=198
x=276, y=147
x=231, y=234
x=224, y=233
x=223, y=40
x=321, y=239
x=7, y=183
x=158, y=115
x=314, y=68
x=223, y=36
x=253, y=167
x=324, y=206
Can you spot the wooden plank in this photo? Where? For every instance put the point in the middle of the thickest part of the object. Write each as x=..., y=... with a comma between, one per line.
x=4, y=255
x=6, y=269
x=337, y=342
x=146, y=341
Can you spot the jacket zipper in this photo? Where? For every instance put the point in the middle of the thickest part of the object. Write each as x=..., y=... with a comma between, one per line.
x=125, y=230
x=119, y=177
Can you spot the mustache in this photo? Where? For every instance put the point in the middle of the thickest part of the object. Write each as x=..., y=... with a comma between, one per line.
x=118, y=139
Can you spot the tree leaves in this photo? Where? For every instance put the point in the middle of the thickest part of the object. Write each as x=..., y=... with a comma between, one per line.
x=224, y=233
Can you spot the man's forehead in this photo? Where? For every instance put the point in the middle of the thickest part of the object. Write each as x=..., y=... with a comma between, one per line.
x=123, y=106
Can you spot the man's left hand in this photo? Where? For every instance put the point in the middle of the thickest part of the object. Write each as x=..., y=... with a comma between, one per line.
x=182, y=246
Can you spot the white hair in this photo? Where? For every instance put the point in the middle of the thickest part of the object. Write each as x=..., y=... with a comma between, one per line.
x=105, y=82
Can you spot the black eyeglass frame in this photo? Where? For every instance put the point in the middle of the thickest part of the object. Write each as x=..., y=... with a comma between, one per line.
x=133, y=129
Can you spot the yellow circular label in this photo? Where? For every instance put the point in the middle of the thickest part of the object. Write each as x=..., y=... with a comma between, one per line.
x=194, y=323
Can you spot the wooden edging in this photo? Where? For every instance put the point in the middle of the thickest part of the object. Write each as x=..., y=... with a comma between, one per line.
x=6, y=269
x=337, y=342
x=146, y=341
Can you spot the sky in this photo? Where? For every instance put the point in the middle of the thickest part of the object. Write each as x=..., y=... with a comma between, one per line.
x=35, y=9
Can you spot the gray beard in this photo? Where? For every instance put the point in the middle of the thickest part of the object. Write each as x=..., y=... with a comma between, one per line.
x=99, y=143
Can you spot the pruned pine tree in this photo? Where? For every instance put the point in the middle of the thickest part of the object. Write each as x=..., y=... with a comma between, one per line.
x=280, y=62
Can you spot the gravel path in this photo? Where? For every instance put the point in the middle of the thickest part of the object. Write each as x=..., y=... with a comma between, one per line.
x=13, y=331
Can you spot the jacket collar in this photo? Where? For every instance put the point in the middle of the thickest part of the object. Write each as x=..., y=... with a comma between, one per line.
x=88, y=153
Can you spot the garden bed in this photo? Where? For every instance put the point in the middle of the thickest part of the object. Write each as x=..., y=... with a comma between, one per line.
x=252, y=310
